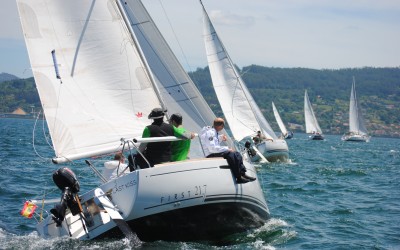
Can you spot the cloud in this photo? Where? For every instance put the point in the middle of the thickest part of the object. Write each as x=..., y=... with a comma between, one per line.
x=226, y=18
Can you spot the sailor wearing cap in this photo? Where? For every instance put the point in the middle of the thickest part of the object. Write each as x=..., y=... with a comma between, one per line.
x=159, y=152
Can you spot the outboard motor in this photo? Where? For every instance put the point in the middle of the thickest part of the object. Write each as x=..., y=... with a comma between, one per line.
x=67, y=182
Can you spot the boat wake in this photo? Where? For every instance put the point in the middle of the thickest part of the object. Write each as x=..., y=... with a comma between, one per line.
x=34, y=241
x=273, y=232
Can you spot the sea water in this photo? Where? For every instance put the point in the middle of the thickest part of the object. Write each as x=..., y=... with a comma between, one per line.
x=332, y=195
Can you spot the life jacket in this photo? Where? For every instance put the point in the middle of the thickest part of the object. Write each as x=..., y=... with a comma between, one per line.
x=158, y=152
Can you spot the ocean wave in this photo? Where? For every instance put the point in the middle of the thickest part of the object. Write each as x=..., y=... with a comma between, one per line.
x=341, y=171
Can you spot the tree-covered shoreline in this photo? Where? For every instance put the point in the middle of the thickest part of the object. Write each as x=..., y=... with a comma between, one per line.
x=378, y=90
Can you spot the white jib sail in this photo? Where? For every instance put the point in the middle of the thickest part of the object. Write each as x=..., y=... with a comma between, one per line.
x=309, y=116
x=278, y=118
x=241, y=111
x=105, y=92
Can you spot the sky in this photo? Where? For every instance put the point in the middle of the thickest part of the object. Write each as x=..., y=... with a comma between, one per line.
x=318, y=34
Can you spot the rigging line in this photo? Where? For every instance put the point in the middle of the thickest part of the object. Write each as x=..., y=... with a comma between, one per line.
x=44, y=132
x=186, y=61
x=176, y=37
x=33, y=138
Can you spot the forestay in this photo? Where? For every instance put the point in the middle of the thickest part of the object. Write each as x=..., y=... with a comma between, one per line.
x=101, y=97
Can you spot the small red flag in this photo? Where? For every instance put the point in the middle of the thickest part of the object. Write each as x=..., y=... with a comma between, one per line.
x=28, y=209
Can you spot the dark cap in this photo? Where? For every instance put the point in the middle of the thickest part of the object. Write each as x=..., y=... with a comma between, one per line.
x=157, y=113
x=176, y=118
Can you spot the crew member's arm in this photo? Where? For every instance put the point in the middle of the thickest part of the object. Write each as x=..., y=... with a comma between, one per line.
x=183, y=135
x=145, y=134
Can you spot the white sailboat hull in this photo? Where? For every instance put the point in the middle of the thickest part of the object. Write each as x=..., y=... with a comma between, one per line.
x=273, y=151
x=356, y=138
x=186, y=201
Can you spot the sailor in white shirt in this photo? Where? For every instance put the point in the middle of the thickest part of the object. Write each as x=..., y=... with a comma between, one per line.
x=115, y=168
x=211, y=140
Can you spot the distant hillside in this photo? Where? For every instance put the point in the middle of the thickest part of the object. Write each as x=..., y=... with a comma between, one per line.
x=18, y=93
x=7, y=77
x=378, y=90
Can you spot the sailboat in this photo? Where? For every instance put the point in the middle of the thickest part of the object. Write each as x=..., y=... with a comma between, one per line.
x=100, y=67
x=285, y=133
x=357, y=130
x=312, y=126
x=242, y=113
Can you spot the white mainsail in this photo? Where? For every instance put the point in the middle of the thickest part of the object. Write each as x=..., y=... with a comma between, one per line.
x=241, y=111
x=101, y=97
x=177, y=90
x=279, y=120
x=312, y=125
x=356, y=120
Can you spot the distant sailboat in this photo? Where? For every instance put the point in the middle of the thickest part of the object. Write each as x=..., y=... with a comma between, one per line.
x=240, y=109
x=357, y=130
x=285, y=133
x=312, y=126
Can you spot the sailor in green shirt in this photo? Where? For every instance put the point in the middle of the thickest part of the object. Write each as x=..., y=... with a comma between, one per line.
x=180, y=149
x=159, y=152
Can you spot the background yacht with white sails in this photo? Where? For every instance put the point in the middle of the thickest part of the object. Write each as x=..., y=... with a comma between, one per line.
x=285, y=133
x=312, y=126
x=357, y=130
x=242, y=113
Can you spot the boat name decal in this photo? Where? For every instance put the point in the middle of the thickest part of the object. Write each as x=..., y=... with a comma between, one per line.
x=124, y=186
x=196, y=191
